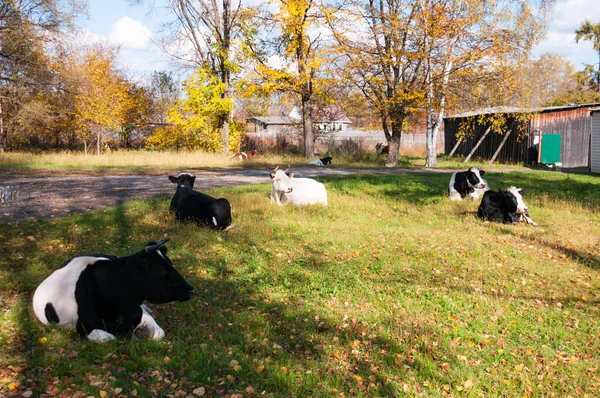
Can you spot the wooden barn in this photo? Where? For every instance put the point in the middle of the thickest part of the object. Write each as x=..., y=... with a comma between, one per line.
x=595, y=142
x=569, y=127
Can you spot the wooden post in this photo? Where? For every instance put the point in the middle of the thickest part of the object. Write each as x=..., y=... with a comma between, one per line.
x=540, y=149
x=455, y=148
x=500, y=147
x=478, y=143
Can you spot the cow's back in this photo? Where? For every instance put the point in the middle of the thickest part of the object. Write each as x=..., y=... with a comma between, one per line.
x=491, y=207
x=204, y=209
x=307, y=191
x=54, y=299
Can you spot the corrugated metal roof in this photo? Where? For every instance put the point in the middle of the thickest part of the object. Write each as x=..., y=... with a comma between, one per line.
x=277, y=119
x=508, y=109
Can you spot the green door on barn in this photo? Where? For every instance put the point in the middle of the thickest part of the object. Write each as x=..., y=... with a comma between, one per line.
x=550, y=149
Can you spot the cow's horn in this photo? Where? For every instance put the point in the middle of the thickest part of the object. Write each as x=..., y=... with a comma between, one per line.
x=288, y=169
x=151, y=248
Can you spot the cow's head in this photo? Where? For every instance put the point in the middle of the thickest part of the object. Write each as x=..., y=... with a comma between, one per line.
x=514, y=195
x=282, y=180
x=327, y=160
x=156, y=276
x=474, y=178
x=183, y=180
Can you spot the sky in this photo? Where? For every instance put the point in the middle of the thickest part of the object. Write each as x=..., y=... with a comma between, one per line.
x=136, y=30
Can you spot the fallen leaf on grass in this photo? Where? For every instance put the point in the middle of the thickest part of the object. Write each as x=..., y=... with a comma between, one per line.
x=260, y=368
x=200, y=391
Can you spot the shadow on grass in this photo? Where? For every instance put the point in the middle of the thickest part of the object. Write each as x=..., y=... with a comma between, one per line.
x=587, y=259
x=302, y=351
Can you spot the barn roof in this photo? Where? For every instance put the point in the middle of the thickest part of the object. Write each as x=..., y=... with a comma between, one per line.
x=276, y=119
x=509, y=109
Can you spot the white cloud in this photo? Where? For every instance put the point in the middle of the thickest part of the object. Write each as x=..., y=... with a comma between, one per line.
x=566, y=18
x=130, y=34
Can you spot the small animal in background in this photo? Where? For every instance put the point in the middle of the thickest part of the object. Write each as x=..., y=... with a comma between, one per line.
x=505, y=206
x=321, y=162
x=296, y=191
x=382, y=149
x=245, y=156
x=467, y=183
x=188, y=204
x=101, y=296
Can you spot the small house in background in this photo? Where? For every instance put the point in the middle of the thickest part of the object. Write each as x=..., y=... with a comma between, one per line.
x=595, y=142
x=327, y=119
x=568, y=130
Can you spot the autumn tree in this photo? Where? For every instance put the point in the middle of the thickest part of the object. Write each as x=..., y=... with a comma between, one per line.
x=102, y=95
x=27, y=30
x=469, y=37
x=164, y=91
x=211, y=28
x=197, y=116
x=380, y=44
x=591, y=32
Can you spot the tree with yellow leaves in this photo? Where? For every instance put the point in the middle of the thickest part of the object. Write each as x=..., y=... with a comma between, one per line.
x=102, y=94
x=402, y=54
x=298, y=55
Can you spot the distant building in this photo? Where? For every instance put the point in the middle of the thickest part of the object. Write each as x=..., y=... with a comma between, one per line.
x=327, y=119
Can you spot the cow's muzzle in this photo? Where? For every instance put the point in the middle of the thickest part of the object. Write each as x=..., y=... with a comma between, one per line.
x=290, y=190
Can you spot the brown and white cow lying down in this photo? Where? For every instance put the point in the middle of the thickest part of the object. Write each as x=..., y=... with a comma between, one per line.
x=101, y=296
x=505, y=206
x=296, y=191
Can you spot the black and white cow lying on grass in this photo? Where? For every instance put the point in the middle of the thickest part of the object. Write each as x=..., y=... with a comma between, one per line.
x=101, y=296
x=296, y=191
x=321, y=162
x=467, y=183
x=505, y=206
x=188, y=204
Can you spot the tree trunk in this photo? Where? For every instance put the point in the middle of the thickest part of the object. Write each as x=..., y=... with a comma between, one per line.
x=431, y=138
x=98, y=142
x=309, y=144
x=434, y=121
x=1, y=128
x=394, y=150
x=225, y=136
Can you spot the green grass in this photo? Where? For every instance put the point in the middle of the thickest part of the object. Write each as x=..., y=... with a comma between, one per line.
x=392, y=290
x=22, y=164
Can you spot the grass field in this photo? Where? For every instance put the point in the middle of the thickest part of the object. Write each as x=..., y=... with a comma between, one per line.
x=21, y=164
x=392, y=290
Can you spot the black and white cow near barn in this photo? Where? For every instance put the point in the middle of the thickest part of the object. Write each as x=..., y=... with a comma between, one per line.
x=467, y=183
x=188, y=204
x=505, y=207
x=296, y=191
x=101, y=296
x=321, y=162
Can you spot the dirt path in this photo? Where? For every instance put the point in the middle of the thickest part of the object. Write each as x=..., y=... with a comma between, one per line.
x=45, y=198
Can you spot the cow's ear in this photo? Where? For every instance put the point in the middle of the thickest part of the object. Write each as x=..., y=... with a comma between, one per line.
x=173, y=179
x=481, y=172
x=272, y=175
x=193, y=178
x=521, y=191
x=289, y=174
x=163, y=249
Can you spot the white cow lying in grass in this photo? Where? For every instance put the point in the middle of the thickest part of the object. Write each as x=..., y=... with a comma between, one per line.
x=297, y=191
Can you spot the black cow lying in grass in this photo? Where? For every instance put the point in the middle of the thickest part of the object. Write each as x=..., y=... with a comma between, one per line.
x=101, y=295
x=188, y=204
x=505, y=206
